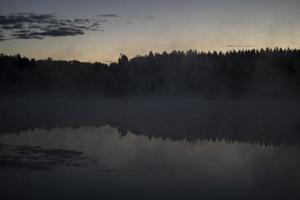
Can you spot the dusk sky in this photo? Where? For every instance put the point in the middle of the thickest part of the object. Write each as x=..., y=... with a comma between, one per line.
x=100, y=30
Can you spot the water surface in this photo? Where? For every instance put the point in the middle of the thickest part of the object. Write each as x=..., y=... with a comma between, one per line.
x=101, y=163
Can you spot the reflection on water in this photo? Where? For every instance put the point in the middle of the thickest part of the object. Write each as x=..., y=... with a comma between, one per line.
x=268, y=122
x=116, y=166
x=35, y=158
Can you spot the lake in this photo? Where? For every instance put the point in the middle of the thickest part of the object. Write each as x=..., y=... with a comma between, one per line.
x=141, y=149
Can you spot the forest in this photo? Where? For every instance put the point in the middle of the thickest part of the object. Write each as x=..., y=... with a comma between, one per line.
x=270, y=72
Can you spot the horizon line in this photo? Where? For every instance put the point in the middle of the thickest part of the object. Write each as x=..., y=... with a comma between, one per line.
x=231, y=50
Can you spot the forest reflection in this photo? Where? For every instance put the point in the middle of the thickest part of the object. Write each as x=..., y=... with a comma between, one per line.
x=141, y=166
x=264, y=122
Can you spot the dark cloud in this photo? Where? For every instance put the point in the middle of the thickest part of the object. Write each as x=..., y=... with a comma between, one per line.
x=56, y=32
x=13, y=26
x=25, y=18
x=82, y=21
x=101, y=20
x=109, y=15
x=34, y=27
x=39, y=26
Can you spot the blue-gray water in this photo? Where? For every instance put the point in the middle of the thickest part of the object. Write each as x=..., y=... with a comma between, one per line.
x=136, y=167
x=183, y=150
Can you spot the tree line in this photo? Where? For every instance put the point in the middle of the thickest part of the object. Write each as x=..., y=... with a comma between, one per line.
x=263, y=72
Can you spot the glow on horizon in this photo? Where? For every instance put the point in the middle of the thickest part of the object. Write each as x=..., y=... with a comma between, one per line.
x=161, y=25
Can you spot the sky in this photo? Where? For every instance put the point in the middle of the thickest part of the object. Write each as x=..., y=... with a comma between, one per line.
x=91, y=30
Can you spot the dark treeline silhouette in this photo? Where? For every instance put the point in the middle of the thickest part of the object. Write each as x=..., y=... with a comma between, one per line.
x=265, y=72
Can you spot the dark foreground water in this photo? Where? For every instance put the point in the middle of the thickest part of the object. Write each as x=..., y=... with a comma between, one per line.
x=98, y=163
x=216, y=150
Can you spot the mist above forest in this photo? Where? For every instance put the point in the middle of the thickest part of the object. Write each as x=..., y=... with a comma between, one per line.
x=265, y=72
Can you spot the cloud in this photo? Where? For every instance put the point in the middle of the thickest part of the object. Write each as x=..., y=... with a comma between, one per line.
x=55, y=32
x=108, y=15
x=13, y=26
x=39, y=26
x=25, y=18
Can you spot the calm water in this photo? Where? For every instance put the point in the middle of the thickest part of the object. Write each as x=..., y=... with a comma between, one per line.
x=101, y=163
x=153, y=148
